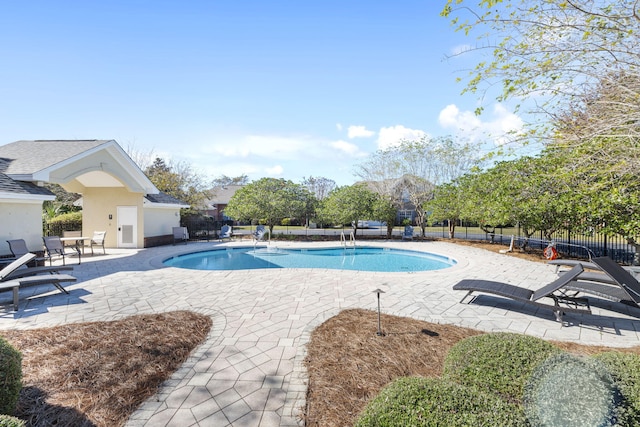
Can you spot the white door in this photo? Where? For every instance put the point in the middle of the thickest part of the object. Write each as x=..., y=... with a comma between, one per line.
x=127, y=226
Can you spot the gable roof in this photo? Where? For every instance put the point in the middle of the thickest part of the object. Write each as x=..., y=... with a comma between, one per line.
x=222, y=195
x=28, y=157
x=79, y=161
x=11, y=189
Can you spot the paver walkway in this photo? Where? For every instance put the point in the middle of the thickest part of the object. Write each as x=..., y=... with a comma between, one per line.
x=250, y=371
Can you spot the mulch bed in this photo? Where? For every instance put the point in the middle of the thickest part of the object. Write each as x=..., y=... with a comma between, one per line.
x=98, y=374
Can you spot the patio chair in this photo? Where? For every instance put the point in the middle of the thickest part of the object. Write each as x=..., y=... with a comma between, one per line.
x=180, y=235
x=407, y=234
x=18, y=247
x=55, y=248
x=258, y=235
x=226, y=232
x=529, y=297
x=98, y=240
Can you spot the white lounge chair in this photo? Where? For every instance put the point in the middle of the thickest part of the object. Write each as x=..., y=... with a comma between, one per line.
x=226, y=232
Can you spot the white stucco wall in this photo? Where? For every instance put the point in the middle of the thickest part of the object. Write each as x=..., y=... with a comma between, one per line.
x=20, y=220
x=160, y=221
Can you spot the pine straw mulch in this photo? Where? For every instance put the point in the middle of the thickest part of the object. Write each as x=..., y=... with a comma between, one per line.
x=348, y=363
x=99, y=373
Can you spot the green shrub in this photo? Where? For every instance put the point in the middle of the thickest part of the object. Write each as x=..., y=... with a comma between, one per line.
x=70, y=217
x=9, y=421
x=10, y=377
x=413, y=401
x=625, y=369
x=568, y=390
x=496, y=363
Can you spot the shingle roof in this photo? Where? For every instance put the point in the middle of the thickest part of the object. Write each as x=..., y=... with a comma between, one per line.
x=164, y=198
x=27, y=157
x=8, y=185
x=222, y=195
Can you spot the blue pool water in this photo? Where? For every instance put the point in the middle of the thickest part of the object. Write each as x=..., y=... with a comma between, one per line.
x=361, y=258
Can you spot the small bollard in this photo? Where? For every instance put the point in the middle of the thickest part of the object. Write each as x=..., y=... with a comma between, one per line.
x=378, y=292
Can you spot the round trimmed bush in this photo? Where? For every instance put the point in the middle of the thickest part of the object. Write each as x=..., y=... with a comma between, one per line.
x=421, y=402
x=10, y=377
x=568, y=391
x=9, y=421
x=625, y=369
x=496, y=363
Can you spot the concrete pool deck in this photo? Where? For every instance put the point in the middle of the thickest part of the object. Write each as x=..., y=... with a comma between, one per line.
x=250, y=370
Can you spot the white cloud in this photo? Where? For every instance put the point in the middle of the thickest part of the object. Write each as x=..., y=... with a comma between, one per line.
x=347, y=148
x=359, y=132
x=392, y=136
x=289, y=156
x=452, y=118
x=501, y=124
x=274, y=171
x=339, y=126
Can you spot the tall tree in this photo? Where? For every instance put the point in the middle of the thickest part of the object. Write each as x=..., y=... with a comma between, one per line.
x=270, y=200
x=348, y=205
x=319, y=186
x=446, y=205
x=178, y=180
x=557, y=54
x=223, y=180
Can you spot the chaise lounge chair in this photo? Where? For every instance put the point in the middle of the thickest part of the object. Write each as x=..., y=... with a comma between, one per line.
x=527, y=296
x=225, y=232
x=54, y=247
x=614, y=283
x=14, y=276
x=621, y=277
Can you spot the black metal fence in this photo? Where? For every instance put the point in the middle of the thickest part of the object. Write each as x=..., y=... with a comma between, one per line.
x=57, y=228
x=568, y=244
x=202, y=228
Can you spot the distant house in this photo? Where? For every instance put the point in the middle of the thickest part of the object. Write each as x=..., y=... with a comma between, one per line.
x=219, y=201
x=406, y=208
x=117, y=197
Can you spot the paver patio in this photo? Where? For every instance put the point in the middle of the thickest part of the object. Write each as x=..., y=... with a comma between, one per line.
x=250, y=371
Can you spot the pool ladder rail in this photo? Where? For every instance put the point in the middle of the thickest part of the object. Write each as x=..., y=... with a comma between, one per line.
x=352, y=239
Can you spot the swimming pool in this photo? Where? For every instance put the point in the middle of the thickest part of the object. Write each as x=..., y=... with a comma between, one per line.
x=359, y=258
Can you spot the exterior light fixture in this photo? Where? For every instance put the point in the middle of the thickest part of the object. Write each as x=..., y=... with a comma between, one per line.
x=378, y=292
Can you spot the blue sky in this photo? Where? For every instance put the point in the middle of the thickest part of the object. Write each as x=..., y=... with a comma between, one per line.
x=263, y=88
